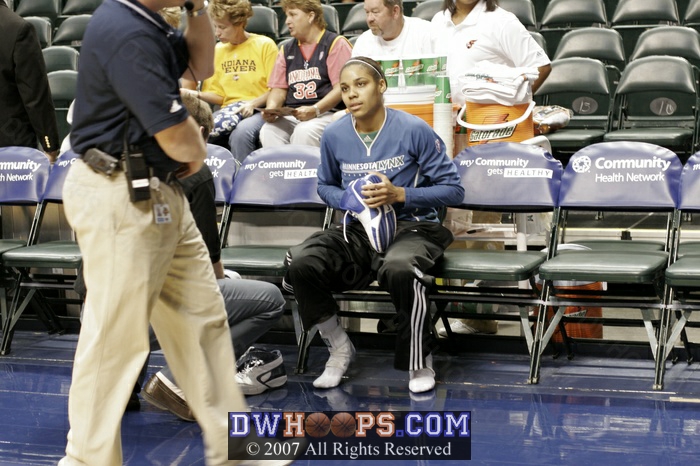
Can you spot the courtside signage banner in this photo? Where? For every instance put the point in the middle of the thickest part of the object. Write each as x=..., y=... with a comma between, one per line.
x=353, y=435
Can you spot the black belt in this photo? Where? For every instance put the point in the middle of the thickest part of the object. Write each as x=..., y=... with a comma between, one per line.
x=107, y=165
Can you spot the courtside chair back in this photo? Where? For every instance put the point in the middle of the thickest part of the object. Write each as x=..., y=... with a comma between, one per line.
x=277, y=179
x=617, y=177
x=38, y=255
x=223, y=168
x=505, y=177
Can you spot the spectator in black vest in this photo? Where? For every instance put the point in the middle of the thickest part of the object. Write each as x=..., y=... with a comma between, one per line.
x=304, y=82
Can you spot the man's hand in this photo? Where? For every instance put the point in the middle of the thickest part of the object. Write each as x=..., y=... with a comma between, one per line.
x=383, y=193
x=52, y=156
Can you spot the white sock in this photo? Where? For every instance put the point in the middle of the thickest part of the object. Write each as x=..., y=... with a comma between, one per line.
x=342, y=353
x=422, y=380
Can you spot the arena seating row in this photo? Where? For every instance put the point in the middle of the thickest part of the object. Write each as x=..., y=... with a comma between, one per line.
x=283, y=193
x=617, y=176
x=349, y=19
x=630, y=104
x=655, y=100
x=661, y=279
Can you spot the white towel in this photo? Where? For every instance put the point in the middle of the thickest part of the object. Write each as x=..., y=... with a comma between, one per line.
x=490, y=83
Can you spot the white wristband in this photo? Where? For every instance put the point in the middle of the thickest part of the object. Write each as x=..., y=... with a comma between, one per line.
x=318, y=111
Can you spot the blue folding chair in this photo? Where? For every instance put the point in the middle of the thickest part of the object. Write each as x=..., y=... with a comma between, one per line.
x=278, y=179
x=618, y=177
x=23, y=175
x=38, y=255
x=509, y=178
x=683, y=275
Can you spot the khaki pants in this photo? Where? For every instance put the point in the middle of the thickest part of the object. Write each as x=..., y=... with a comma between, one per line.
x=139, y=272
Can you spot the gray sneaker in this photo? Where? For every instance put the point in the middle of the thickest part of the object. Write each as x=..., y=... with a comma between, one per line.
x=259, y=370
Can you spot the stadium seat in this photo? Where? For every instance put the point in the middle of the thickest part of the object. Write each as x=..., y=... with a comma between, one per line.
x=523, y=9
x=582, y=85
x=62, y=84
x=264, y=21
x=80, y=7
x=332, y=19
x=71, y=31
x=657, y=102
x=427, y=9
x=355, y=22
x=615, y=177
x=44, y=8
x=59, y=256
x=342, y=8
x=676, y=41
x=60, y=57
x=409, y=5
x=645, y=12
x=632, y=17
x=593, y=42
x=539, y=38
x=43, y=28
x=540, y=7
x=682, y=7
x=562, y=16
x=691, y=17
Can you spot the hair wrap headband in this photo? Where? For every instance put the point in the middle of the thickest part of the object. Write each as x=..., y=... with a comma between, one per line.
x=368, y=65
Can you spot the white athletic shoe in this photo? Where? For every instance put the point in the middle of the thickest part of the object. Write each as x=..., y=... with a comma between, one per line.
x=259, y=370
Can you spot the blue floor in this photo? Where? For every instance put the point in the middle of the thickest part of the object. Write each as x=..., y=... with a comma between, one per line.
x=587, y=411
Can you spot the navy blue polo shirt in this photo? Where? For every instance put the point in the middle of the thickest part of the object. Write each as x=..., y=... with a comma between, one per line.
x=131, y=60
